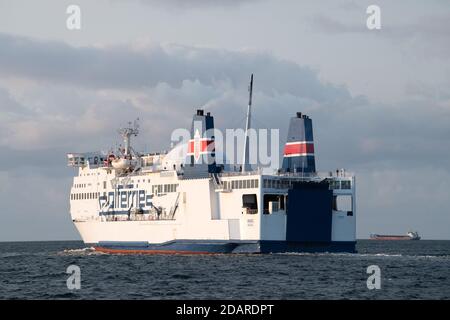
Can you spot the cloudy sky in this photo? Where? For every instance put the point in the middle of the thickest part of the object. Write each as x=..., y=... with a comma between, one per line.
x=379, y=99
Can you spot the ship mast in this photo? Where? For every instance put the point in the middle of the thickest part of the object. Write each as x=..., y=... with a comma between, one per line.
x=245, y=160
x=126, y=133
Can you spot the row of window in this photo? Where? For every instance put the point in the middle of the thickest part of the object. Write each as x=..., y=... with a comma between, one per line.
x=278, y=184
x=238, y=184
x=90, y=174
x=164, y=188
x=82, y=160
x=156, y=189
x=84, y=196
x=138, y=181
x=338, y=184
x=241, y=184
x=83, y=185
x=277, y=202
x=287, y=184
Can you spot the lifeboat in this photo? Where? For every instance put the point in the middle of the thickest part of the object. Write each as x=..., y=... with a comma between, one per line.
x=123, y=164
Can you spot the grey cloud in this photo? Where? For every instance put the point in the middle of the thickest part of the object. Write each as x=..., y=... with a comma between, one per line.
x=163, y=86
x=427, y=34
x=436, y=25
x=122, y=67
x=9, y=106
x=192, y=4
x=330, y=25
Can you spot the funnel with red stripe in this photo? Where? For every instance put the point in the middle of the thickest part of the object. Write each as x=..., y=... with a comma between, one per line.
x=298, y=155
x=201, y=149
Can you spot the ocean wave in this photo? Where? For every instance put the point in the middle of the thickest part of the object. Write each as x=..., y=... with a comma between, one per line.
x=81, y=251
x=12, y=254
x=368, y=255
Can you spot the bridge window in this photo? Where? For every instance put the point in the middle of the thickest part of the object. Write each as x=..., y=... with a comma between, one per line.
x=334, y=184
x=273, y=203
x=345, y=184
x=249, y=203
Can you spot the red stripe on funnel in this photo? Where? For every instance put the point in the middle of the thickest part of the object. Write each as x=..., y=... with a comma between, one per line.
x=205, y=145
x=299, y=148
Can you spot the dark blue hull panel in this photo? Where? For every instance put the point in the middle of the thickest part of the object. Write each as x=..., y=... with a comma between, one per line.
x=219, y=246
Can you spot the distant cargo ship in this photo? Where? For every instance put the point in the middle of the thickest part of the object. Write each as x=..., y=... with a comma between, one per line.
x=411, y=235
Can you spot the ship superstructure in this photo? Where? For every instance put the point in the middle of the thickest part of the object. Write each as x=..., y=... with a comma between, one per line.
x=171, y=202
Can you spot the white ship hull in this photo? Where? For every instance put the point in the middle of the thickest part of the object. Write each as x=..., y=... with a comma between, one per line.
x=196, y=215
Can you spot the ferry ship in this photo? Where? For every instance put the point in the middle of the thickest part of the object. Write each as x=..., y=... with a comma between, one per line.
x=411, y=235
x=172, y=202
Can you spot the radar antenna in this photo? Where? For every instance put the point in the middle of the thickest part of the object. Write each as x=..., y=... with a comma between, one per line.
x=127, y=132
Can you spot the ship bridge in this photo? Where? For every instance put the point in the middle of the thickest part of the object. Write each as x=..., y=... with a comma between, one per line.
x=92, y=159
